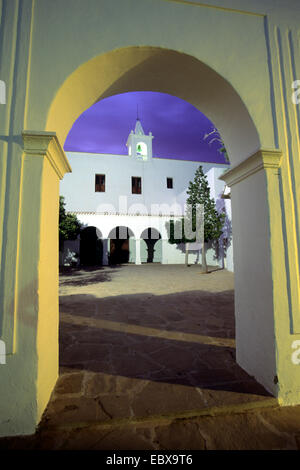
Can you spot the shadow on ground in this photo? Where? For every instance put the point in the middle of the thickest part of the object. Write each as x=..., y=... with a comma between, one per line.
x=83, y=276
x=147, y=371
x=195, y=312
x=183, y=338
x=146, y=356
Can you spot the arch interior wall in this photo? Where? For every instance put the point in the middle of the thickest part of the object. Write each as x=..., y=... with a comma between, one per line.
x=184, y=51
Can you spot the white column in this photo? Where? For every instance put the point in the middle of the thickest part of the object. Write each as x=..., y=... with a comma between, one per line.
x=263, y=344
x=138, y=251
x=105, y=252
x=164, y=249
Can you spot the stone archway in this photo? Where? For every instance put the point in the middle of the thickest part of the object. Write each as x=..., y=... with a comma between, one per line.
x=157, y=69
x=151, y=68
x=162, y=70
x=151, y=251
x=254, y=179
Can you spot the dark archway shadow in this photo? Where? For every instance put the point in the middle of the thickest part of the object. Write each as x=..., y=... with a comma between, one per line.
x=158, y=338
x=85, y=275
x=91, y=247
x=119, y=245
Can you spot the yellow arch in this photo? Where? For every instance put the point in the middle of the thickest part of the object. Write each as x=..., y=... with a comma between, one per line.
x=156, y=69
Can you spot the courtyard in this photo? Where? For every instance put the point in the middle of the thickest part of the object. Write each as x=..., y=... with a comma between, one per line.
x=147, y=361
x=147, y=341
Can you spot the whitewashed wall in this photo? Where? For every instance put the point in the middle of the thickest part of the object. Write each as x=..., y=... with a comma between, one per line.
x=78, y=188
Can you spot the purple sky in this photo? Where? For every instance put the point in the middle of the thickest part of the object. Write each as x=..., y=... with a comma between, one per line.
x=178, y=128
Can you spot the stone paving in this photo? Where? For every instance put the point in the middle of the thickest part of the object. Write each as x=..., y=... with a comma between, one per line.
x=147, y=361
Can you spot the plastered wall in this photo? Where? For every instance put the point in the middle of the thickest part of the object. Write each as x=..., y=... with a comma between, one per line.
x=235, y=60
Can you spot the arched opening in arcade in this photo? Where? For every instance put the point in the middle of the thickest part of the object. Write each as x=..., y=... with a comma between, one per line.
x=91, y=247
x=160, y=70
x=121, y=250
x=151, y=246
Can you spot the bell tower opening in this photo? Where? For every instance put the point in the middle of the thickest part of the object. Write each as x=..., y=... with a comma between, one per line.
x=139, y=144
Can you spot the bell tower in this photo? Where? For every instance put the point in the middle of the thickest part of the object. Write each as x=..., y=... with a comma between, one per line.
x=139, y=144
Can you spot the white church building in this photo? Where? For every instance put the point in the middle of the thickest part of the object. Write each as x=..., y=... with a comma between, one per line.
x=126, y=202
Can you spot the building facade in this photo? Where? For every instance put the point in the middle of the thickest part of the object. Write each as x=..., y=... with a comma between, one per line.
x=137, y=194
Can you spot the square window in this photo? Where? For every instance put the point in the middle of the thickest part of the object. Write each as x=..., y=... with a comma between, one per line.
x=136, y=185
x=170, y=183
x=100, y=183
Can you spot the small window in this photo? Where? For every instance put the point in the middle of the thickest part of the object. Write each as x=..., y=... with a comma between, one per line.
x=170, y=183
x=136, y=185
x=100, y=183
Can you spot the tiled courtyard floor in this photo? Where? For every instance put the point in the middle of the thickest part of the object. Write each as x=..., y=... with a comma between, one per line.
x=147, y=361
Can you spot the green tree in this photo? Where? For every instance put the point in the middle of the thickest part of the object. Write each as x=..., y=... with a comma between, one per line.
x=199, y=193
x=69, y=225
